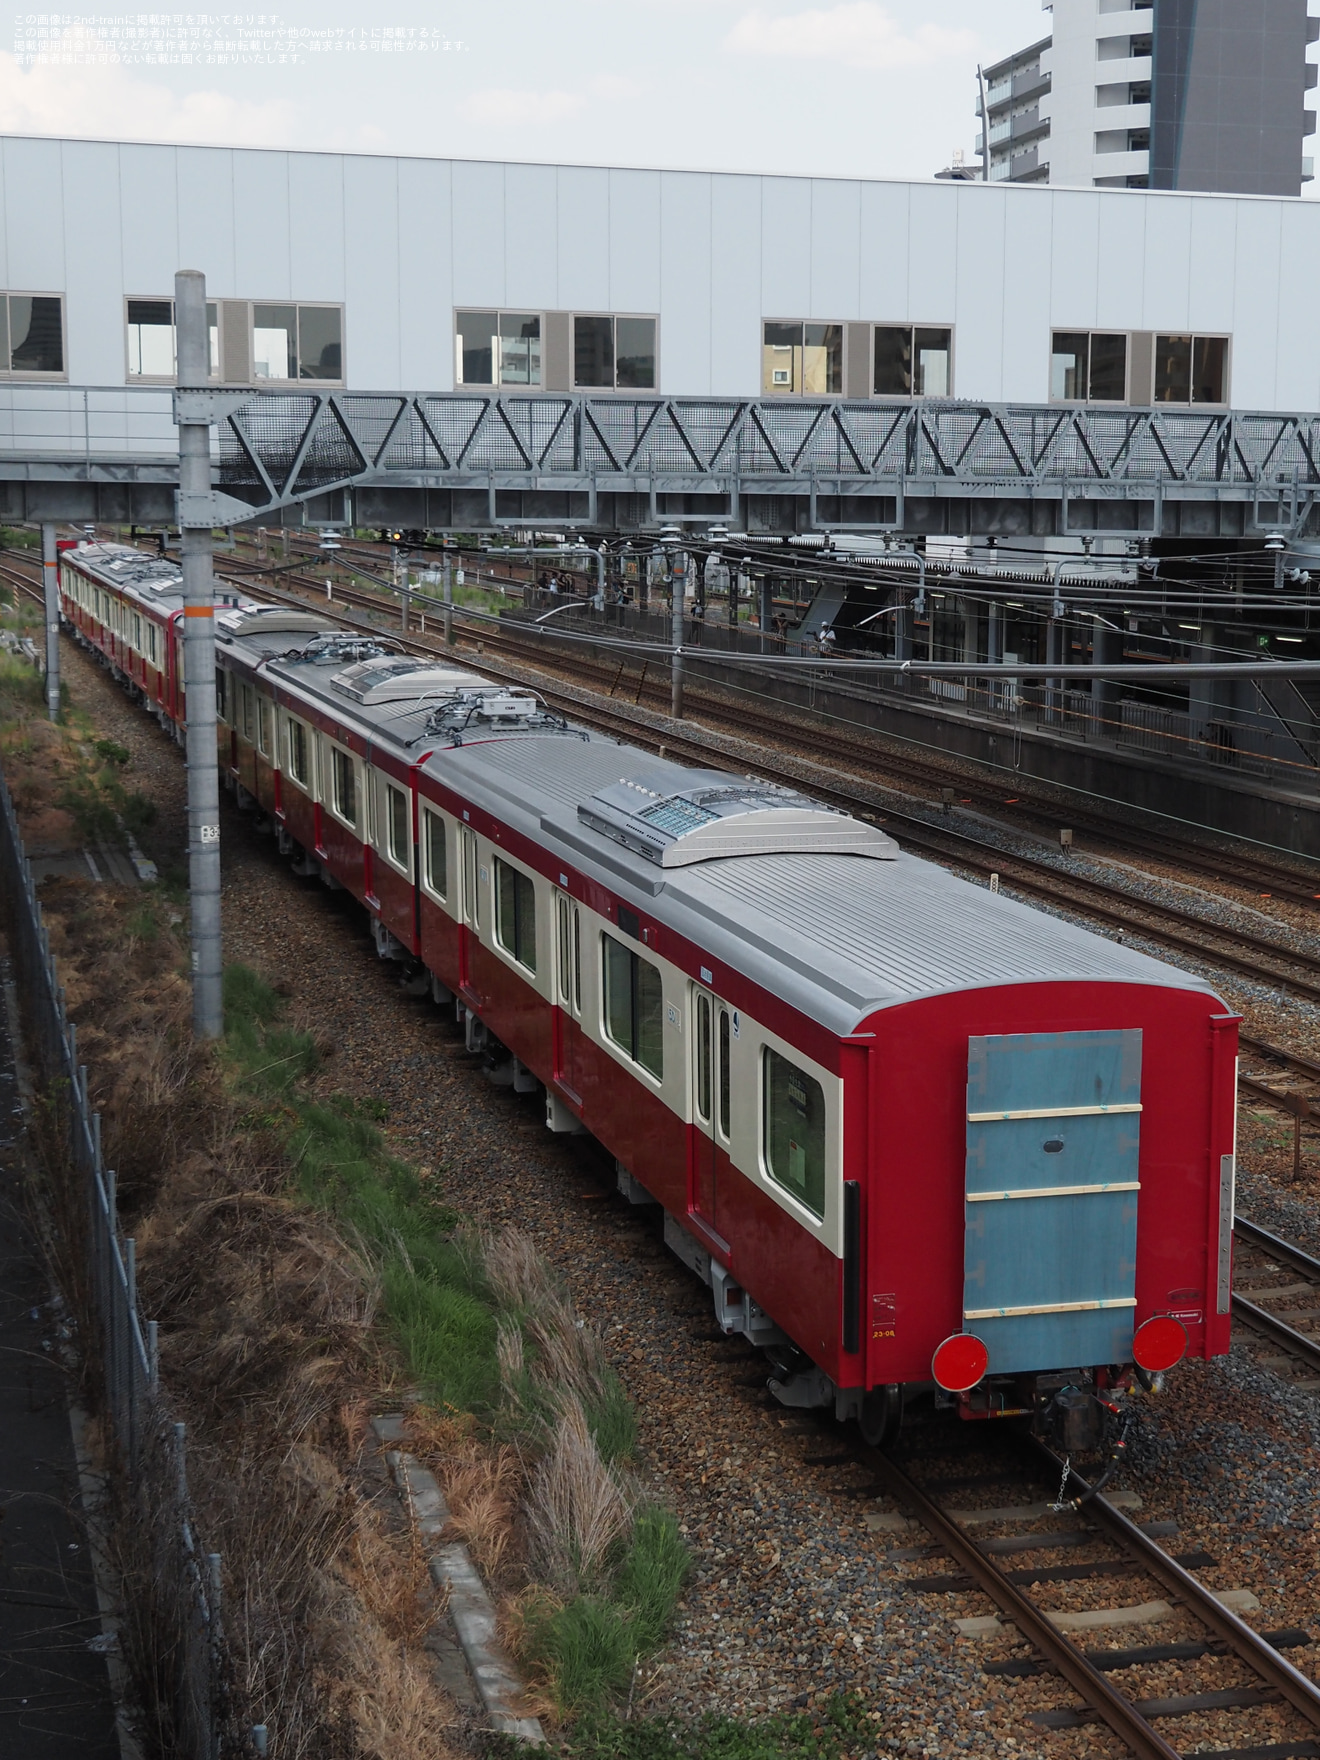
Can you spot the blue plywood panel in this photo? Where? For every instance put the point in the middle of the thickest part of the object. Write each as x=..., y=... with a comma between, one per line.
x=1034, y=1342
x=1063, y=1248
x=1043, y=1251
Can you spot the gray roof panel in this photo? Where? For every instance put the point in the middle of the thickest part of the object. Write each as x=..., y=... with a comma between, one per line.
x=837, y=936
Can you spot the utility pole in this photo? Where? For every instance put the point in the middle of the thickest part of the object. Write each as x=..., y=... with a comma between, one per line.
x=196, y=518
x=678, y=576
x=50, y=581
x=449, y=597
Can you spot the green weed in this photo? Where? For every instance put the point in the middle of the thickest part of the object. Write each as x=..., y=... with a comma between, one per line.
x=444, y=1314
x=111, y=751
x=844, y=1730
x=652, y=1575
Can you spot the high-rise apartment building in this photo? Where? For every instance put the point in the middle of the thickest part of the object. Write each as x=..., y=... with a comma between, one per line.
x=1181, y=94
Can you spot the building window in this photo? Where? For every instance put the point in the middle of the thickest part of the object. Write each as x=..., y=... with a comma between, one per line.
x=1088, y=367
x=794, y=1130
x=297, y=342
x=344, y=779
x=497, y=348
x=634, y=1006
x=515, y=913
x=33, y=334
x=802, y=360
x=299, y=768
x=1190, y=369
x=614, y=354
x=396, y=825
x=912, y=362
x=150, y=329
x=436, y=854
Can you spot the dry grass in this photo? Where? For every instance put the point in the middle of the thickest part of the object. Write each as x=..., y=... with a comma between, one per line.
x=578, y=1509
x=482, y=1483
x=270, y=1353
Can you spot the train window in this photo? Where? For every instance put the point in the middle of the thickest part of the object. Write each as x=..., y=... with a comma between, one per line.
x=515, y=913
x=299, y=767
x=221, y=694
x=472, y=875
x=247, y=725
x=344, y=778
x=31, y=335
x=634, y=1006
x=151, y=643
x=724, y=1082
x=794, y=1130
x=564, y=935
x=437, y=863
x=703, y=1056
x=263, y=722
x=396, y=824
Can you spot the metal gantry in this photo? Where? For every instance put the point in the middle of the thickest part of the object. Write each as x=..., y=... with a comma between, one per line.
x=467, y=460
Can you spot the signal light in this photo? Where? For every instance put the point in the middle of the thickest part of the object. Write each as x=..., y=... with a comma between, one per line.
x=1159, y=1344
x=959, y=1363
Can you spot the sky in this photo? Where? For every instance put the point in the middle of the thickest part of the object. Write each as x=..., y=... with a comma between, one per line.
x=870, y=88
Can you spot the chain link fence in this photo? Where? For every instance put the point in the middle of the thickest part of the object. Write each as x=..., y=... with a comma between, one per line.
x=172, y=1630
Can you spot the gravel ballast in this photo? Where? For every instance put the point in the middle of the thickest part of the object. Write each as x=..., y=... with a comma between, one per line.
x=792, y=1597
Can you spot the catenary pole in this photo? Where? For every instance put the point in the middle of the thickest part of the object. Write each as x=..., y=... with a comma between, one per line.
x=679, y=578
x=194, y=361
x=50, y=581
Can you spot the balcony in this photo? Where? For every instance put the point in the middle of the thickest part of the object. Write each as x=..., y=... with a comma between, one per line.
x=1110, y=165
x=1119, y=118
x=1030, y=85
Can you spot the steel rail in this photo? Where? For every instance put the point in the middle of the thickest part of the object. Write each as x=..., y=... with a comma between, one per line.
x=988, y=858
x=920, y=834
x=1295, y=1060
x=1277, y=1247
x=1081, y=1674
x=1262, y=1658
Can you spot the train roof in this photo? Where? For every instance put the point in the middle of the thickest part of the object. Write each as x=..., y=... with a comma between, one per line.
x=155, y=581
x=837, y=935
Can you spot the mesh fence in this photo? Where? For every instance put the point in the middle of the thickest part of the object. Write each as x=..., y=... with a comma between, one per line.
x=172, y=1631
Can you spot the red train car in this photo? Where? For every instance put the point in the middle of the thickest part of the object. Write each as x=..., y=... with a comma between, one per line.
x=919, y=1138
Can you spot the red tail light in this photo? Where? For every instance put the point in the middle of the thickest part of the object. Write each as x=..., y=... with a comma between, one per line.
x=960, y=1362
x=1159, y=1344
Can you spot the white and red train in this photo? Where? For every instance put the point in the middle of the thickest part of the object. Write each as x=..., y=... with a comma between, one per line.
x=917, y=1136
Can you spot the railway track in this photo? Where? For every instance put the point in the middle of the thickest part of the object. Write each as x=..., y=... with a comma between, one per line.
x=1283, y=1314
x=1239, y=1669
x=1131, y=1713
x=1253, y=956
x=838, y=745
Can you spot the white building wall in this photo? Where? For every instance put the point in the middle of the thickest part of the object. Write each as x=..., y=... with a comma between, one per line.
x=403, y=242
x=1077, y=72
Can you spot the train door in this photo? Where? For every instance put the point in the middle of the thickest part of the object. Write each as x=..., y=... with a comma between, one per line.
x=568, y=995
x=469, y=881
x=711, y=1047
